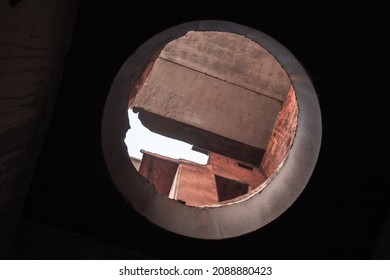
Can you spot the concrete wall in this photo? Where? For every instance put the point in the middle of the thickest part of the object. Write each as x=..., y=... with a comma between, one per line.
x=34, y=40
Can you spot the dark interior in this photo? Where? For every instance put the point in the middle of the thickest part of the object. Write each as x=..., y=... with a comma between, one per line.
x=73, y=211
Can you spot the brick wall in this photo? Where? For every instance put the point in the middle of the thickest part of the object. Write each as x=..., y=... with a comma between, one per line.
x=282, y=136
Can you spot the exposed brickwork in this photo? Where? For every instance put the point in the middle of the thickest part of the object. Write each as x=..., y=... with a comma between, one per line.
x=196, y=184
x=282, y=136
x=159, y=172
x=229, y=168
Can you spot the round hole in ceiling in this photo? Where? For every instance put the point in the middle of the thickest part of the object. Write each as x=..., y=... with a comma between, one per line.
x=232, y=92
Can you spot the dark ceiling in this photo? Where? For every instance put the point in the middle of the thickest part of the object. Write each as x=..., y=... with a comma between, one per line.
x=342, y=212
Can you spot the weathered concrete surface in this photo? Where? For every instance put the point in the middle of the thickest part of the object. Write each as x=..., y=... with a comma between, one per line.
x=34, y=39
x=230, y=57
x=282, y=137
x=179, y=93
x=219, y=91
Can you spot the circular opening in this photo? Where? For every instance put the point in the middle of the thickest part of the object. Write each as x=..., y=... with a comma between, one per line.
x=230, y=101
x=233, y=94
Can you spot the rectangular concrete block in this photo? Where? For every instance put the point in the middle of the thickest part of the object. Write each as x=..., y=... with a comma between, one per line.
x=178, y=93
x=230, y=57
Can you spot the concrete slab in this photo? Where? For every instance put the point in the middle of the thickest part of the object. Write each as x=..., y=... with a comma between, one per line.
x=179, y=93
x=230, y=57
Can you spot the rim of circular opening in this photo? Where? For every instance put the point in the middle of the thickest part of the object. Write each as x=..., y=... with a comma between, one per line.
x=228, y=220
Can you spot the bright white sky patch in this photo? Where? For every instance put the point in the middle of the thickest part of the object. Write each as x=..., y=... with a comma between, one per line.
x=139, y=137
